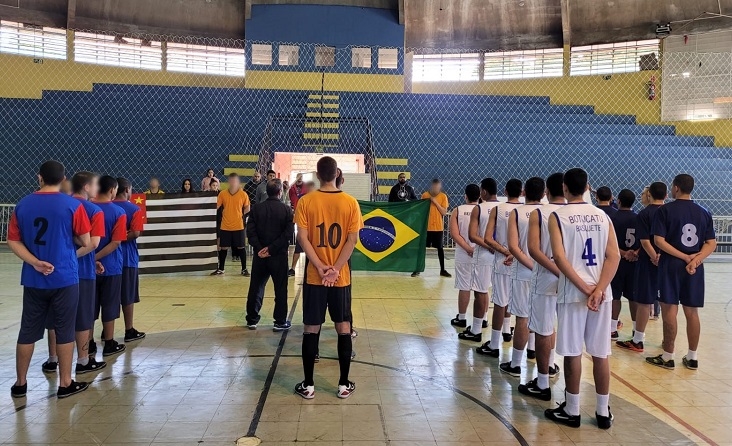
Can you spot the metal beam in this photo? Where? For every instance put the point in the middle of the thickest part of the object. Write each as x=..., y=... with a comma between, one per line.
x=566, y=24
x=401, y=12
x=71, y=15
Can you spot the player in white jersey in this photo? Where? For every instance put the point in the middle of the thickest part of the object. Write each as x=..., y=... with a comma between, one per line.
x=496, y=237
x=586, y=252
x=519, y=306
x=544, y=278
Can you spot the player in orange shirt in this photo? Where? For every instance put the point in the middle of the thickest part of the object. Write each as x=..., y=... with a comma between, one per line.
x=328, y=221
x=436, y=222
x=234, y=205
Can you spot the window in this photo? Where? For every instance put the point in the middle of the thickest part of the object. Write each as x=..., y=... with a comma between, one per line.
x=388, y=58
x=117, y=51
x=185, y=57
x=29, y=40
x=289, y=55
x=445, y=67
x=524, y=64
x=261, y=54
x=361, y=57
x=324, y=56
x=611, y=58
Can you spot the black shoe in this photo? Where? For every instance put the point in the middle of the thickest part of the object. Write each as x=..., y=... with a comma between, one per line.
x=72, y=389
x=553, y=371
x=444, y=273
x=457, y=322
x=659, y=362
x=468, y=335
x=508, y=336
x=560, y=416
x=49, y=367
x=245, y=272
x=235, y=259
x=486, y=350
x=112, y=348
x=133, y=335
x=218, y=272
x=530, y=354
x=19, y=391
x=291, y=273
x=532, y=389
x=91, y=366
x=252, y=326
x=317, y=358
x=513, y=371
x=415, y=274
x=307, y=392
x=282, y=327
x=691, y=364
x=485, y=324
x=92, y=348
x=605, y=422
x=614, y=336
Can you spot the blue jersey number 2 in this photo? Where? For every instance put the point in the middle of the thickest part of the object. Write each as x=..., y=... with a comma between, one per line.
x=588, y=254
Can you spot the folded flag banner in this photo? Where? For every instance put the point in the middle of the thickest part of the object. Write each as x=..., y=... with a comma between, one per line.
x=393, y=237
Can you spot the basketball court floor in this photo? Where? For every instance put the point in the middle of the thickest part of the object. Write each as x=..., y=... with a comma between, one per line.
x=202, y=378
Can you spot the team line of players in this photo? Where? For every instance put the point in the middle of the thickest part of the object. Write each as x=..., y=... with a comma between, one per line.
x=567, y=263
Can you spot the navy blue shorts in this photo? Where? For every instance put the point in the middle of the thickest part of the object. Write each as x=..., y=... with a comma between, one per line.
x=85, y=308
x=108, y=297
x=624, y=281
x=38, y=303
x=298, y=248
x=317, y=299
x=130, y=286
x=646, y=282
x=676, y=286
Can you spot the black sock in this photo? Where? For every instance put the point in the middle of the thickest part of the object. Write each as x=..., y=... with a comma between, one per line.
x=309, y=349
x=243, y=256
x=441, y=257
x=222, y=259
x=345, y=347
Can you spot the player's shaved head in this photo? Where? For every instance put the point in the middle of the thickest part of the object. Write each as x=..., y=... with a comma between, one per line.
x=534, y=189
x=658, y=190
x=626, y=198
x=684, y=182
x=604, y=193
x=513, y=188
x=576, y=181
x=490, y=186
x=52, y=173
x=123, y=185
x=107, y=184
x=472, y=192
x=554, y=184
x=327, y=169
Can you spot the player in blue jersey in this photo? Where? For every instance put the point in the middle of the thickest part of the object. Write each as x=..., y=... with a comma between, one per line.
x=44, y=231
x=684, y=232
x=131, y=258
x=624, y=220
x=109, y=255
x=604, y=197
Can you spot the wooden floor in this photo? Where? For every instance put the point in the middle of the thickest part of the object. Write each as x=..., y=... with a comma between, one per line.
x=201, y=378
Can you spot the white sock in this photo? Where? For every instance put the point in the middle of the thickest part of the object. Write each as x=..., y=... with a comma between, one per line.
x=461, y=316
x=633, y=325
x=573, y=404
x=551, y=357
x=691, y=354
x=667, y=356
x=543, y=381
x=603, y=402
x=516, y=357
x=507, y=324
x=82, y=361
x=53, y=359
x=639, y=336
x=613, y=325
x=495, y=339
x=477, y=325
x=532, y=341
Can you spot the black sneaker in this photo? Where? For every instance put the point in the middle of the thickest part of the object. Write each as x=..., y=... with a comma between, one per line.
x=457, y=322
x=508, y=336
x=691, y=364
x=112, y=348
x=49, y=367
x=72, y=389
x=513, y=371
x=91, y=366
x=553, y=371
x=282, y=327
x=307, y=392
x=659, y=362
x=605, y=422
x=317, y=358
x=19, y=391
x=132, y=335
x=485, y=324
x=245, y=272
x=251, y=326
x=532, y=389
x=630, y=345
x=444, y=273
x=291, y=273
x=486, y=350
x=468, y=335
x=92, y=348
x=415, y=274
x=218, y=272
x=530, y=354
x=614, y=336
x=560, y=416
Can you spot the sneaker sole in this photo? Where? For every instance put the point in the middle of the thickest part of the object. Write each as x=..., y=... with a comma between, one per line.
x=84, y=372
x=661, y=366
x=305, y=397
x=514, y=374
x=345, y=397
x=488, y=354
x=139, y=338
x=280, y=330
x=49, y=372
x=690, y=367
x=106, y=355
x=537, y=396
x=72, y=393
x=471, y=339
x=631, y=349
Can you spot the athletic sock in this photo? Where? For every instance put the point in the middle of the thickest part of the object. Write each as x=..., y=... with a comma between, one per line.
x=507, y=324
x=495, y=339
x=532, y=341
x=82, y=361
x=633, y=325
x=53, y=359
x=309, y=350
x=667, y=356
x=691, y=355
x=345, y=347
x=477, y=325
x=551, y=357
x=516, y=357
x=602, y=407
x=222, y=259
x=573, y=404
x=461, y=316
x=543, y=381
x=639, y=337
x=243, y=256
x=613, y=325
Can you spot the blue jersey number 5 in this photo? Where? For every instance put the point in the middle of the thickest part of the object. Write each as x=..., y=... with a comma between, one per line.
x=588, y=254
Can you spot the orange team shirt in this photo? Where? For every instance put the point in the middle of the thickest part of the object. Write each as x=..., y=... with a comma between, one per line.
x=436, y=221
x=232, y=217
x=328, y=217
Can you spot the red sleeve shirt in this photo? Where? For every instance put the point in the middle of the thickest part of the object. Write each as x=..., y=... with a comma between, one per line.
x=136, y=224
x=14, y=229
x=119, y=232
x=81, y=224
x=97, y=225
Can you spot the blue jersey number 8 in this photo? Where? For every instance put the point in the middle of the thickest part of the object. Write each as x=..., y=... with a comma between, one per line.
x=588, y=254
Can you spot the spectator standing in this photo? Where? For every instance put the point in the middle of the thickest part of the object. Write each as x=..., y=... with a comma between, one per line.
x=214, y=185
x=261, y=194
x=206, y=181
x=436, y=222
x=296, y=191
x=187, y=186
x=251, y=187
x=233, y=205
x=604, y=197
x=402, y=191
x=154, y=187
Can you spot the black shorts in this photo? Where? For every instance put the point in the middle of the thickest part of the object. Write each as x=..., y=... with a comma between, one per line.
x=130, y=286
x=434, y=239
x=646, y=282
x=317, y=298
x=85, y=308
x=232, y=239
x=38, y=303
x=298, y=248
x=109, y=297
x=623, y=283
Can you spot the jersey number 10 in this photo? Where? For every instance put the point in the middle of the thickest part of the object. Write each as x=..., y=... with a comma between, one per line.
x=335, y=233
x=588, y=254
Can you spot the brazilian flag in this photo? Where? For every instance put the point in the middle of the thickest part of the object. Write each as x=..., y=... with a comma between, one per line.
x=393, y=237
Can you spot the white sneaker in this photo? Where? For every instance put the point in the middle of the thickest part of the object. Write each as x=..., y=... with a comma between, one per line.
x=346, y=391
x=307, y=392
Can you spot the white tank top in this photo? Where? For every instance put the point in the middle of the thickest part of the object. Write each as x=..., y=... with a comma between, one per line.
x=520, y=271
x=543, y=281
x=463, y=221
x=585, y=231
x=482, y=255
x=503, y=211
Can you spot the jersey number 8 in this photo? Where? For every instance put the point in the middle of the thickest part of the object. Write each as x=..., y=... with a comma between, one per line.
x=688, y=236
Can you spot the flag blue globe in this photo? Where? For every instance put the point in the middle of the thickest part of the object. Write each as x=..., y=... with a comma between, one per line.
x=378, y=234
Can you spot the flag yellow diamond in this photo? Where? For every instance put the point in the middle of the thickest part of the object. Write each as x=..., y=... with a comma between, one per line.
x=382, y=235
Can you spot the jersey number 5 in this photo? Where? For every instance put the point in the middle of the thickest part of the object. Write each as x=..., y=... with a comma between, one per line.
x=630, y=238
x=588, y=254
x=334, y=235
x=42, y=225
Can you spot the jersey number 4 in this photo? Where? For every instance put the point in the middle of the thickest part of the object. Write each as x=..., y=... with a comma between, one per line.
x=588, y=254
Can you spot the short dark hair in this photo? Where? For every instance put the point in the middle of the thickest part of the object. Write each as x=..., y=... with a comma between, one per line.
x=626, y=198
x=658, y=190
x=339, y=178
x=436, y=181
x=327, y=169
x=684, y=182
x=489, y=185
x=52, y=173
x=80, y=180
x=274, y=187
x=576, y=181
x=271, y=171
x=233, y=174
x=534, y=189
x=123, y=184
x=604, y=193
x=554, y=184
x=106, y=184
x=472, y=192
x=513, y=188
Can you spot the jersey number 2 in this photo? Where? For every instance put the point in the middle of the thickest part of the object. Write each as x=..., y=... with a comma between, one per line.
x=588, y=254
x=42, y=225
x=334, y=235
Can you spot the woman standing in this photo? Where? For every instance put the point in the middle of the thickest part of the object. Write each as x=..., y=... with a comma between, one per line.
x=206, y=181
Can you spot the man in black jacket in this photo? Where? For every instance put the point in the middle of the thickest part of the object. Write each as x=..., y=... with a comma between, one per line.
x=269, y=230
x=402, y=191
